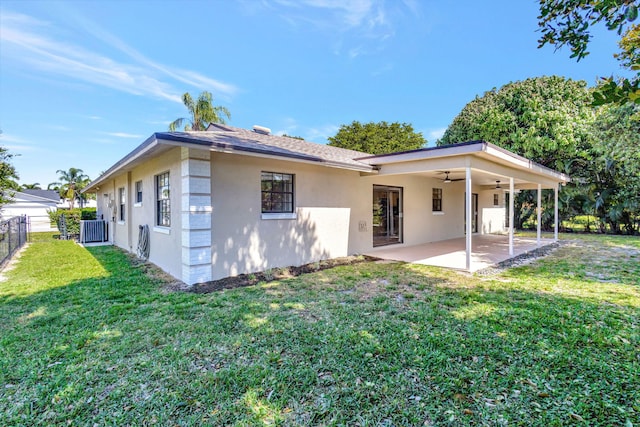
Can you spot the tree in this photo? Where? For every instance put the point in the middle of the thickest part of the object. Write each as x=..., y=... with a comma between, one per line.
x=71, y=182
x=377, y=138
x=629, y=55
x=202, y=113
x=34, y=186
x=8, y=177
x=568, y=22
x=546, y=119
x=615, y=169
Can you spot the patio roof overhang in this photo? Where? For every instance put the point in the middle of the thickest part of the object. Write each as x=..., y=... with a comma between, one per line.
x=488, y=163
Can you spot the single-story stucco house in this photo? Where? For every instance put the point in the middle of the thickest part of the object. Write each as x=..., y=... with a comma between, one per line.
x=35, y=204
x=229, y=201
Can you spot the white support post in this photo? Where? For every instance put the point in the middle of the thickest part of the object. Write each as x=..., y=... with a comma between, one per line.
x=511, y=216
x=555, y=214
x=539, y=207
x=468, y=217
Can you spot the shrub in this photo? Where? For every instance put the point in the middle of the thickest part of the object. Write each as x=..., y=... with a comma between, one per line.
x=72, y=217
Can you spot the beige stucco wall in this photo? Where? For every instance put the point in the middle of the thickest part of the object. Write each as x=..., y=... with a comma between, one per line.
x=326, y=215
x=165, y=243
x=331, y=205
x=491, y=217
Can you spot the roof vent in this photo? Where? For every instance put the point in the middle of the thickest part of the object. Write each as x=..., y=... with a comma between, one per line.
x=262, y=130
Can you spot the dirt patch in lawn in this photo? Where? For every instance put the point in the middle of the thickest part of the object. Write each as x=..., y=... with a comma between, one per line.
x=522, y=259
x=282, y=273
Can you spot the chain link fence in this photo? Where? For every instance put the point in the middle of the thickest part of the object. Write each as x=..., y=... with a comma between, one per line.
x=13, y=234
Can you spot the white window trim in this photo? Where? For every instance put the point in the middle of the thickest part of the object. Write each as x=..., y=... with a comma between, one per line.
x=137, y=205
x=438, y=212
x=121, y=222
x=279, y=215
x=162, y=230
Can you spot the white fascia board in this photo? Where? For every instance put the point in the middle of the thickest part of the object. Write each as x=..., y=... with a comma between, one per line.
x=411, y=156
x=524, y=163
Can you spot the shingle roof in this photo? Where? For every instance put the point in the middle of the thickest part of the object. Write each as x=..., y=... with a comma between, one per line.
x=45, y=194
x=237, y=139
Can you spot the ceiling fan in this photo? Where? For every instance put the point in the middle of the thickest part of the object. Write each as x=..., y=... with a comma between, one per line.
x=447, y=180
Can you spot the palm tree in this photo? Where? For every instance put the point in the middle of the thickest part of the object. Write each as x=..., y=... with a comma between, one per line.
x=202, y=113
x=34, y=186
x=72, y=181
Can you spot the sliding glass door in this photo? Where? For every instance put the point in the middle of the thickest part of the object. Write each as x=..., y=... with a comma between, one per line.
x=387, y=215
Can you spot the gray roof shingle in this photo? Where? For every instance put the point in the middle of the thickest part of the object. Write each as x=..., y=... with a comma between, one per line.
x=45, y=194
x=231, y=138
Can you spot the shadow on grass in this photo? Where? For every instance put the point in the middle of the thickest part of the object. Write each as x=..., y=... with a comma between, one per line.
x=383, y=344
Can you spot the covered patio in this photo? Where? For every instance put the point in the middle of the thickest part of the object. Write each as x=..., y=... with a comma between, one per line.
x=481, y=168
x=488, y=250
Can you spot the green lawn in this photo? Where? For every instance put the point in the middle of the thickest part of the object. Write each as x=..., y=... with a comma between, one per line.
x=87, y=338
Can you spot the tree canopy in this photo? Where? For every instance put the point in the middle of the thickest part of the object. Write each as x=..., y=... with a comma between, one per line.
x=71, y=182
x=8, y=176
x=34, y=186
x=546, y=119
x=377, y=138
x=568, y=23
x=201, y=111
x=550, y=120
x=613, y=175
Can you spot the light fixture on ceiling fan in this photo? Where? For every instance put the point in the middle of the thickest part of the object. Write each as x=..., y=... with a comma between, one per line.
x=447, y=180
x=498, y=185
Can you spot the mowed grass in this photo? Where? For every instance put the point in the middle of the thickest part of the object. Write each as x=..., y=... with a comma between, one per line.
x=88, y=339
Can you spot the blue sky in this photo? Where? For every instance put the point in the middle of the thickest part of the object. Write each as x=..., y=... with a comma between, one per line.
x=82, y=83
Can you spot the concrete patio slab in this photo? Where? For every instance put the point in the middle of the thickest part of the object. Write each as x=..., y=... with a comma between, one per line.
x=488, y=250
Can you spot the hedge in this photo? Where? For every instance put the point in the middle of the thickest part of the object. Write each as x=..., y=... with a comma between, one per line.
x=72, y=217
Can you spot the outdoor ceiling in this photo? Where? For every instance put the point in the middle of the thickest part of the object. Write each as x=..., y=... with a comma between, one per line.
x=478, y=177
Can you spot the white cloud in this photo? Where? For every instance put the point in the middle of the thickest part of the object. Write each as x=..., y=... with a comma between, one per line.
x=16, y=143
x=26, y=40
x=124, y=135
x=434, y=134
x=320, y=133
x=5, y=137
x=365, y=23
x=316, y=134
x=16, y=149
x=60, y=128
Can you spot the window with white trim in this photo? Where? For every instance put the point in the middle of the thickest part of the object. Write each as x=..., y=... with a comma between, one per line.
x=436, y=200
x=121, y=204
x=276, y=192
x=138, y=191
x=163, y=202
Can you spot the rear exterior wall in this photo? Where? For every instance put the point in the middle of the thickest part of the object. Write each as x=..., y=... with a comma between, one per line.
x=333, y=213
